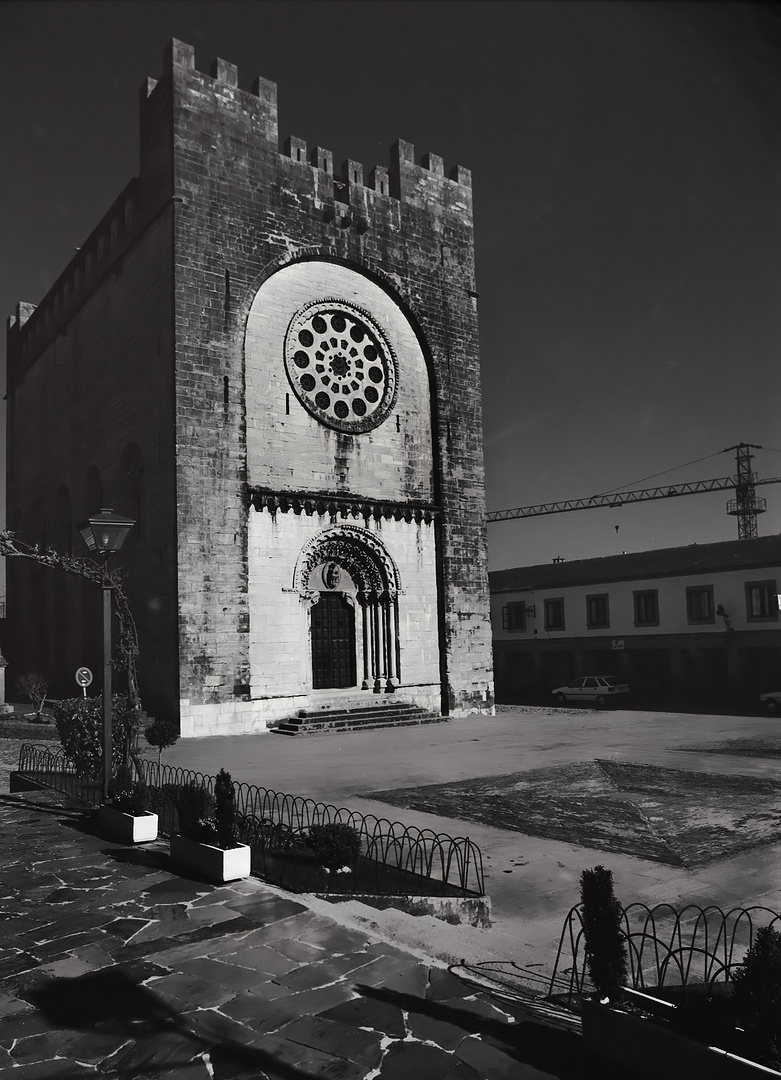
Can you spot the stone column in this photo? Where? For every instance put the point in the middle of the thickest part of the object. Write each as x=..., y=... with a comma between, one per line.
x=365, y=636
x=397, y=639
x=379, y=645
x=390, y=651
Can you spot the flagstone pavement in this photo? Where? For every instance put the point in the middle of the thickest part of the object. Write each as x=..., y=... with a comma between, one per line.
x=114, y=965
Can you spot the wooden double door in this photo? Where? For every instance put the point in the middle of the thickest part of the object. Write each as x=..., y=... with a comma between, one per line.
x=333, y=642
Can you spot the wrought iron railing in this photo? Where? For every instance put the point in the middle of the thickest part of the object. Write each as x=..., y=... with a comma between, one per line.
x=666, y=947
x=393, y=859
x=51, y=767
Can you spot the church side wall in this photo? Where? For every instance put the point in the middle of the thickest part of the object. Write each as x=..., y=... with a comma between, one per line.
x=82, y=391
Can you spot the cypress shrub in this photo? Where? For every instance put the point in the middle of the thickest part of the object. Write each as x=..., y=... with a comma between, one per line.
x=605, y=946
x=757, y=995
x=227, y=827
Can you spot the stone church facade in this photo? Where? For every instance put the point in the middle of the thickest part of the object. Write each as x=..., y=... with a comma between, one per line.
x=274, y=370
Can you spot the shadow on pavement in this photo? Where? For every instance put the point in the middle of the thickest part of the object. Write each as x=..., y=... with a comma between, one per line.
x=552, y=1051
x=139, y=856
x=67, y=817
x=142, y=1035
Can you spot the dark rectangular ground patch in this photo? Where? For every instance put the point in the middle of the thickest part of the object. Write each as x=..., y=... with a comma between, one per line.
x=673, y=816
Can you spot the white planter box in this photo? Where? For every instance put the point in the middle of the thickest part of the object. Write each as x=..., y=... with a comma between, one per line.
x=213, y=863
x=127, y=828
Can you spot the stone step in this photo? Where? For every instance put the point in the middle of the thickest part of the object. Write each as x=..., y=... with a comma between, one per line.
x=344, y=720
x=385, y=708
x=400, y=714
x=396, y=709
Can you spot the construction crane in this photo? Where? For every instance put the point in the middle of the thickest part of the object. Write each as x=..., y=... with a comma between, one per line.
x=745, y=506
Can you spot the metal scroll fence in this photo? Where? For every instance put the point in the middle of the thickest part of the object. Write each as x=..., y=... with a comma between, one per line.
x=51, y=768
x=666, y=947
x=393, y=859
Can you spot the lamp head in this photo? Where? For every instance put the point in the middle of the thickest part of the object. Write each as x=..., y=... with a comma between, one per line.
x=105, y=533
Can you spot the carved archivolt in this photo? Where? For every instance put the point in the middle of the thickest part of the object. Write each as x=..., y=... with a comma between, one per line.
x=358, y=551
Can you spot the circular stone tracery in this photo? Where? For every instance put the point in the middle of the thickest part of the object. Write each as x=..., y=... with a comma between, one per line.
x=340, y=365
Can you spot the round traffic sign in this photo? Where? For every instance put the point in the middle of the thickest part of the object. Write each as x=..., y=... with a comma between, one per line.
x=83, y=676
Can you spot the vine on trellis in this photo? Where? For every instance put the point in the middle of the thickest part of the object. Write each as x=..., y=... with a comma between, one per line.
x=127, y=643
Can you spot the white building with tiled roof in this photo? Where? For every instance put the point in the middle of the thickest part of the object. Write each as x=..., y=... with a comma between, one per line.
x=696, y=625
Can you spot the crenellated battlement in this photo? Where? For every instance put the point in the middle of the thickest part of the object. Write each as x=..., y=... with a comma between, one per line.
x=404, y=179
x=34, y=325
x=349, y=198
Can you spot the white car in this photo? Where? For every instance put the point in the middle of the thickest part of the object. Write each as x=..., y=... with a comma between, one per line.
x=598, y=689
x=771, y=701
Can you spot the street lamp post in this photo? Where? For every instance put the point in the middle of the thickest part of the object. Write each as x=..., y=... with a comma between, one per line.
x=104, y=535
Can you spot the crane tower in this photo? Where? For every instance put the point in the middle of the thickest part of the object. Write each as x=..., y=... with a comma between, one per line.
x=746, y=504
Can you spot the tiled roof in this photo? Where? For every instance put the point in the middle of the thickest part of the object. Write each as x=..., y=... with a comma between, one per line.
x=693, y=559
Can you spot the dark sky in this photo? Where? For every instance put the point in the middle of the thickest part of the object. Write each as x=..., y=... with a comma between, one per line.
x=627, y=175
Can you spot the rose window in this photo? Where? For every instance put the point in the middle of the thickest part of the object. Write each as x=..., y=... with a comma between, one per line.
x=340, y=366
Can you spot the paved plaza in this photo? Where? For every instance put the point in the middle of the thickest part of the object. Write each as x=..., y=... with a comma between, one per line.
x=683, y=808
x=115, y=966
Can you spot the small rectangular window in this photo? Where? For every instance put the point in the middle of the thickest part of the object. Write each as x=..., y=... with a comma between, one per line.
x=761, y=601
x=699, y=604
x=514, y=617
x=554, y=614
x=597, y=611
x=647, y=607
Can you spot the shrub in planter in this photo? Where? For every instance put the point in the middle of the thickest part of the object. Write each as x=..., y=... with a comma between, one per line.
x=225, y=813
x=126, y=817
x=129, y=795
x=605, y=946
x=195, y=812
x=757, y=996
x=335, y=844
x=208, y=834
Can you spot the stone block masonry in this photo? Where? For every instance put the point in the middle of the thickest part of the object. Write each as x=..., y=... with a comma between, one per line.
x=244, y=211
x=225, y=242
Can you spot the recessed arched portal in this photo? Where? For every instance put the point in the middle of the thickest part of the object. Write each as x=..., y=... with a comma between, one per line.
x=351, y=585
x=333, y=642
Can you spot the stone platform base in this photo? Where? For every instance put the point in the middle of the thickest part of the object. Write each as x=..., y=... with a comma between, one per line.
x=397, y=714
